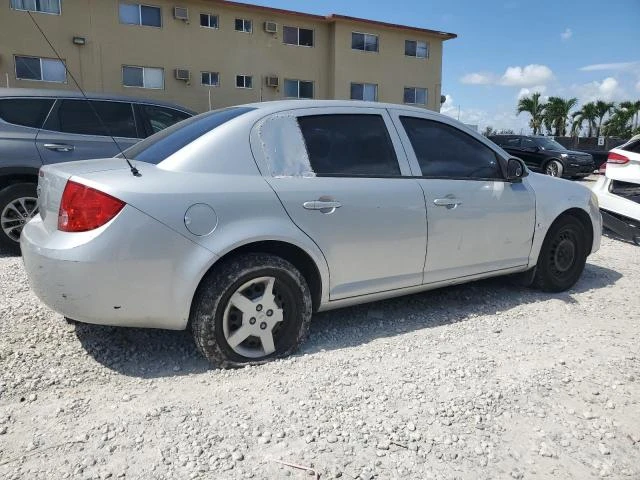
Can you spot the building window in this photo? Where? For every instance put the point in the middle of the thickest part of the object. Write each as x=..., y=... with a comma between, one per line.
x=211, y=79
x=143, y=77
x=136, y=14
x=244, y=81
x=364, y=41
x=208, y=20
x=42, y=6
x=297, y=36
x=416, y=49
x=244, y=25
x=40, y=69
x=298, y=89
x=364, y=91
x=415, y=95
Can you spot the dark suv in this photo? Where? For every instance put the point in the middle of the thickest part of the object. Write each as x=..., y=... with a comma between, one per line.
x=546, y=155
x=44, y=126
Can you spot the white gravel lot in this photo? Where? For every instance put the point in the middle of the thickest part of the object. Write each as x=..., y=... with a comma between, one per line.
x=486, y=380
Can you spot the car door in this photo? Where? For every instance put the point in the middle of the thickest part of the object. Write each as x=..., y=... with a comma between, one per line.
x=530, y=153
x=477, y=221
x=343, y=178
x=77, y=130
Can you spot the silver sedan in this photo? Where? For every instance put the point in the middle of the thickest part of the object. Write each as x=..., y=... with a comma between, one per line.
x=240, y=223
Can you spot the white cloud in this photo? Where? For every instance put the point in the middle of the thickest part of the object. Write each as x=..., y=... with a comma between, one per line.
x=620, y=66
x=500, y=119
x=527, y=76
x=528, y=91
x=567, y=34
x=638, y=86
x=477, y=78
x=608, y=90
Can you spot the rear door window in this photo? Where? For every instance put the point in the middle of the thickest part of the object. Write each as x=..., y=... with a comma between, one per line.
x=28, y=112
x=349, y=145
x=93, y=117
x=633, y=147
x=156, y=118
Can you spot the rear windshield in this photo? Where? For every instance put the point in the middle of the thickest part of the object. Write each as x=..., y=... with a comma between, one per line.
x=165, y=143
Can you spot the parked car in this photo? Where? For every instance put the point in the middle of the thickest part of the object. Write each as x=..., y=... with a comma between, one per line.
x=618, y=191
x=242, y=222
x=41, y=127
x=544, y=154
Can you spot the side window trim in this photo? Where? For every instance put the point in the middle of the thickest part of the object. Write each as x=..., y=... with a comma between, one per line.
x=396, y=114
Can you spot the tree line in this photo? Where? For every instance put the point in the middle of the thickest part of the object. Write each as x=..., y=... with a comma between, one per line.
x=555, y=116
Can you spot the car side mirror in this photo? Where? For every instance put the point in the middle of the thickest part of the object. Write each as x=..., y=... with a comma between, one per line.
x=516, y=169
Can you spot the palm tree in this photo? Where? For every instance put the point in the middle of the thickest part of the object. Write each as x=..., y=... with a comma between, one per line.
x=603, y=108
x=533, y=107
x=634, y=109
x=557, y=112
x=620, y=123
x=588, y=113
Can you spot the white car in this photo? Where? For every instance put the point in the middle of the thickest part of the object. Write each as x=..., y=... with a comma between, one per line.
x=618, y=191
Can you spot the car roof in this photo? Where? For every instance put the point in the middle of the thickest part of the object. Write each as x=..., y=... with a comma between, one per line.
x=281, y=105
x=47, y=93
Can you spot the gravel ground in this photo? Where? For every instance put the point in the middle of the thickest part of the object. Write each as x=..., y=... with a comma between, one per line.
x=486, y=380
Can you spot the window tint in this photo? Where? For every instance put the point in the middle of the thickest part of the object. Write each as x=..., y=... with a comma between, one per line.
x=349, y=145
x=158, y=147
x=78, y=116
x=528, y=143
x=633, y=147
x=445, y=151
x=159, y=118
x=29, y=112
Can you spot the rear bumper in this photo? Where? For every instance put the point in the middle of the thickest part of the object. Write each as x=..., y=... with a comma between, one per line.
x=134, y=271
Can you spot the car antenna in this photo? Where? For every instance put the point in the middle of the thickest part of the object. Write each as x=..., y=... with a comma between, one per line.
x=134, y=170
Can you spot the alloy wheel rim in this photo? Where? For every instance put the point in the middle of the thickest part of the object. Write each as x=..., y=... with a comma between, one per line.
x=16, y=214
x=552, y=169
x=253, y=318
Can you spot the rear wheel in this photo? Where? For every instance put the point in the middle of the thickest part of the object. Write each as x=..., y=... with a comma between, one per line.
x=554, y=168
x=252, y=309
x=18, y=204
x=562, y=257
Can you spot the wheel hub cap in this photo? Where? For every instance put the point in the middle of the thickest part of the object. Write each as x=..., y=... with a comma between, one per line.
x=16, y=214
x=252, y=318
x=564, y=255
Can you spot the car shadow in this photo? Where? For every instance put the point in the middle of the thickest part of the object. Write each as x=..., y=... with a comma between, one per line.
x=146, y=353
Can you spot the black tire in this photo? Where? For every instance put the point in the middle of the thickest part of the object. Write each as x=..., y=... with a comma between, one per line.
x=215, y=291
x=563, y=256
x=7, y=196
x=554, y=168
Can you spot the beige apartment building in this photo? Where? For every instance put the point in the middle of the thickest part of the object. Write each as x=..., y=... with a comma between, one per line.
x=213, y=53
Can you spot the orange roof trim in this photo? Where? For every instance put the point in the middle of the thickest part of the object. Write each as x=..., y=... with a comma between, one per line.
x=334, y=18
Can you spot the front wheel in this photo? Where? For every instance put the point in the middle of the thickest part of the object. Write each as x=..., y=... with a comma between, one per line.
x=251, y=309
x=562, y=257
x=18, y=205
x=554, y=168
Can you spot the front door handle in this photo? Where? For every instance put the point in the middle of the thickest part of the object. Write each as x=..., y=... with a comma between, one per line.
x=325, y=206
x=448, y=202
x=59, y=147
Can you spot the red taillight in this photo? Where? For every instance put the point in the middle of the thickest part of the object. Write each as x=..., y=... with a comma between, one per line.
x=617, y=159
x=83, y=208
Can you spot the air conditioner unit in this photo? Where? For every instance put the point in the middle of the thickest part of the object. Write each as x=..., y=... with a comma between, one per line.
x=271, y=27
x=182, y=74
x=273, y=81
x=181, y=13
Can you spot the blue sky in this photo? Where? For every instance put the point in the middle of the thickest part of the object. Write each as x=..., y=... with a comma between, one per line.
x=587, y=49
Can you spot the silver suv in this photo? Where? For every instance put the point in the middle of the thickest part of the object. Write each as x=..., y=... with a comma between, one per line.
x=43, y=126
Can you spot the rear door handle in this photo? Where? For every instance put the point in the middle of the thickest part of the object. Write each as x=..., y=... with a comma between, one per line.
x=325, y=206
x=447, y=202
x=59, y=147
